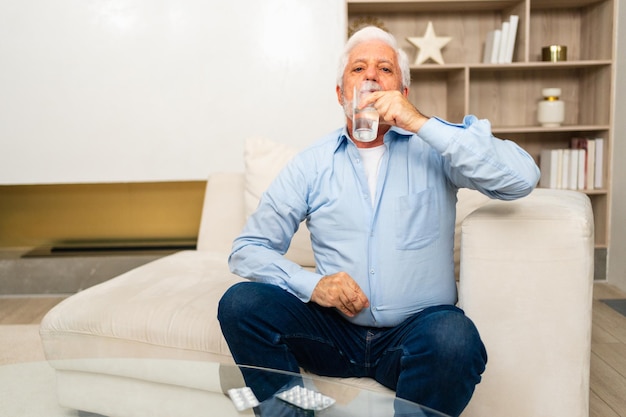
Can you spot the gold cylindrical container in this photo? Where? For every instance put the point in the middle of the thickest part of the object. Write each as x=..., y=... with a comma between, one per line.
x=554, y=53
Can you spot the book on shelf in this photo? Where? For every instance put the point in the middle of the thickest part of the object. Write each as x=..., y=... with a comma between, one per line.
x=565, y=164
x=492, y=47
x=549, y=167
x=599, y=164
x=504, y=43
x=512, y=36
x=500, y=43
x=582, y=156
x=579, y=167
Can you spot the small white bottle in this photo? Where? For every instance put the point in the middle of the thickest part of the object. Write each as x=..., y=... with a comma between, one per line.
x=551, y=110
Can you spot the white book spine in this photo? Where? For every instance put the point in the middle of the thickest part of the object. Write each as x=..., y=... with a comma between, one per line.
x=573, y=169
x=503, y=42
x=555, y=157
x=511, y=38
x=559, y=169
x=582, y=155
x=497, y=35
x=565, y=169
x=599, y=164
x=591, y=156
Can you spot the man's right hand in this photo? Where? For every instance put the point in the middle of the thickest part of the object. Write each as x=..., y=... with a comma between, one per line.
x=341, y=291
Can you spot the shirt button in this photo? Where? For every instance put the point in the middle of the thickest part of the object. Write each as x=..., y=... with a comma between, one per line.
x=372, y=271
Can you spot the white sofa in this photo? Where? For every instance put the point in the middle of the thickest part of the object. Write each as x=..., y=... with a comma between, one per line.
x=526, y=280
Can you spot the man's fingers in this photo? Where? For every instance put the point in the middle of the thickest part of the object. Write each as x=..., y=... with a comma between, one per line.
x=354, y=300
x=342, y=292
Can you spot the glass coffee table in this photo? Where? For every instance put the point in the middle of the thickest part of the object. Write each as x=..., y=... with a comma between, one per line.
x=186, y=388
x=282, y=393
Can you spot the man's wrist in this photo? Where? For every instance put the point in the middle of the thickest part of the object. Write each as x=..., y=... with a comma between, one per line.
x=417, y=125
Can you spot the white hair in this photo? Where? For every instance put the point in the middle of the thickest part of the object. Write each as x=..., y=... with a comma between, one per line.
x=371, y=33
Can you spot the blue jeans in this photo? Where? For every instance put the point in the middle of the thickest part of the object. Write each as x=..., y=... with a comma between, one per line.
x=434, y=358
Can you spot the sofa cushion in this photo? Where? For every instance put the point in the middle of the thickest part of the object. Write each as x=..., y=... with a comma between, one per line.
x=165, y=309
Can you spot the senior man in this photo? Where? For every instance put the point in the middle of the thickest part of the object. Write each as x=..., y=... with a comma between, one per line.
x=381, y=302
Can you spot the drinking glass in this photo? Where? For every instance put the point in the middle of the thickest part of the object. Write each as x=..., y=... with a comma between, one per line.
x=365, y=120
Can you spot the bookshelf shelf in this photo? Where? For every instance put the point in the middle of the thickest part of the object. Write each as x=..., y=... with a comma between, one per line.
x=515, y=66
x=408, y=6
x=601, y=191
x=542, y=66
x=508, y=94
x=571, y=129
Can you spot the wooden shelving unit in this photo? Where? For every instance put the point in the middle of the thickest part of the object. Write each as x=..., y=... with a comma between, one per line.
x=508, y=94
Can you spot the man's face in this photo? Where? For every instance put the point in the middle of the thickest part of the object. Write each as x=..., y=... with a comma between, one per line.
x=374, y=61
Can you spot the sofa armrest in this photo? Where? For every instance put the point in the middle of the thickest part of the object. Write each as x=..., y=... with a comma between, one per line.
x=527, y=281
x=223, y=213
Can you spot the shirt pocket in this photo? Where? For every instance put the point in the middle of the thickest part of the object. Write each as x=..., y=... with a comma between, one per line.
x=416, y=220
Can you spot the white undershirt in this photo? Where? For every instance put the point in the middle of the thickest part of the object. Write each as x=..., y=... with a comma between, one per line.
x=371, y=163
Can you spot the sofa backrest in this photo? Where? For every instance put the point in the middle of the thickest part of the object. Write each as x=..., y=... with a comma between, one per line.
x=223, y=213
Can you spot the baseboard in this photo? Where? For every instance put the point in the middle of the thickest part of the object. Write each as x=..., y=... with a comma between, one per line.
x=599, y=272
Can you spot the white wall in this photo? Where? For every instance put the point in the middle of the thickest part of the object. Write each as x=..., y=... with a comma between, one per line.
x=616, y=270
x=151, y=90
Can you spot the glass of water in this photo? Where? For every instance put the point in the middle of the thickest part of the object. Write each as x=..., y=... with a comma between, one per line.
x=365, y=120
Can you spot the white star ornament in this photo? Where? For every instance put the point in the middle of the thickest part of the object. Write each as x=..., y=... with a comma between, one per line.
x=429, y=45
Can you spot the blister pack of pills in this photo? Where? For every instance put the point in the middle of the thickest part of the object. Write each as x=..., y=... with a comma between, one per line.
x=306, y=399
x=243, y=398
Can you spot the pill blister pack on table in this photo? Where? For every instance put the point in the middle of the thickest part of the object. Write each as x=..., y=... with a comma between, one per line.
x=306, y=399
x=243, y=398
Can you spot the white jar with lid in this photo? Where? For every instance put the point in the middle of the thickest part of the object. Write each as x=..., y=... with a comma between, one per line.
x=551, y=110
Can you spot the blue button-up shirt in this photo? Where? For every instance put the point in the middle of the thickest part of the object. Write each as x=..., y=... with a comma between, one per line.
x=399, y=249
